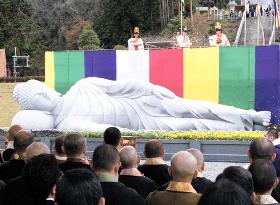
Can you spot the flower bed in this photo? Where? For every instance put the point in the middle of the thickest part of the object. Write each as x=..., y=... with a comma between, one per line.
x=188, y=135
x=216, y=146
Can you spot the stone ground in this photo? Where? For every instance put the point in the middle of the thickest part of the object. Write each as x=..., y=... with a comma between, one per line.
x=213, y=169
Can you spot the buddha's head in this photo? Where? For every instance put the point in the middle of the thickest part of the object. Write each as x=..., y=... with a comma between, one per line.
x=35, y=95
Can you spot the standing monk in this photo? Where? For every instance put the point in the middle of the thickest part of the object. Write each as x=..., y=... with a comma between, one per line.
x=135, y=43
x=219, y=39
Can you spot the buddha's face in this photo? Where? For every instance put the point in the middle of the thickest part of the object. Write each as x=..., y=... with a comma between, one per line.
x=45, y=101
x=35, y=95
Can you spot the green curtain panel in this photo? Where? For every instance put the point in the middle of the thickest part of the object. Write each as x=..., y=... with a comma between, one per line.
x=237, y=76
x=76, y=67
x=61, y=63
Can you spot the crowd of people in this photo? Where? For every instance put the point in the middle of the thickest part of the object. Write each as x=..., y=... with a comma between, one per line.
x=113, y=175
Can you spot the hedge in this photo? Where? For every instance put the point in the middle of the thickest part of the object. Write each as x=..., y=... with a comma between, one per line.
x=21, y=79
x=188, y=135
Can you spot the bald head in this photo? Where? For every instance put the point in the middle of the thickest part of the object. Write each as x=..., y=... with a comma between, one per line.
x=22, y=140
x=261, y=148
x=198, y=155
x=129, y=157
x=12, y=132
x=183, y=166
x=35, y=149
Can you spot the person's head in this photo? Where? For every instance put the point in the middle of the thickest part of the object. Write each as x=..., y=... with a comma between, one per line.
x=136, y=32
x=240, y=176
x=74, y=145
x=35, y=149
x=224, y=191
x=35, y=95
x=271, y=134
x=218, y=28
x=264, y=176
x=79, y=187
x=22, y=140
x=40, y=175
x=106, y=158
x=261, y=148
x=154, y=148
x=129, y=157
x=13, y=130
x=183, y=166
x=58, y=146
x=199, y=158
x=275, y=127
x=113, y=136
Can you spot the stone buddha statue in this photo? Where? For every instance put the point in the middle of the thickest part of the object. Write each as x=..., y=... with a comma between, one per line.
x=96, y=103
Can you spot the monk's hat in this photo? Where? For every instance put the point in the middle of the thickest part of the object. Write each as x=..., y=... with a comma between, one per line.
x=218, y=26
x=136, y=30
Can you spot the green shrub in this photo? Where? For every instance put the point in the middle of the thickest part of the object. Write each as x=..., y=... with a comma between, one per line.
x=172, y=27
x=88, y=40
x=20, y=79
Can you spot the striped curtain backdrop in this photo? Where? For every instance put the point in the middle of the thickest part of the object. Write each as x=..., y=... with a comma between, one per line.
x=244, y=77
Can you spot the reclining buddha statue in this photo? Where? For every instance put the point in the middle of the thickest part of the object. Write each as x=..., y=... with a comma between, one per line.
x=96, y=103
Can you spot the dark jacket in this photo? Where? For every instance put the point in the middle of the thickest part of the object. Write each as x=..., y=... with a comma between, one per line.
x=276, y=162
x=68, y=165
x=158, y=173
x=143, y=185
x=11, y=169
x=116, y=193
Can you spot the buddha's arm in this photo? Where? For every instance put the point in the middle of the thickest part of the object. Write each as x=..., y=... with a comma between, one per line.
x=137, y=88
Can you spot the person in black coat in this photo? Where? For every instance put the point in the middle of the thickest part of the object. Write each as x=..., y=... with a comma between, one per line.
x=36, y=185
x=106, y=163
x=154, y=167
x=79, y=187
x=131, y=176
x=9, y=142
x=75, y=149
x=14, y=167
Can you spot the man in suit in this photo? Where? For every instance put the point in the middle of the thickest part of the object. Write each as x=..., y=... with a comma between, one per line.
x=75, y=150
